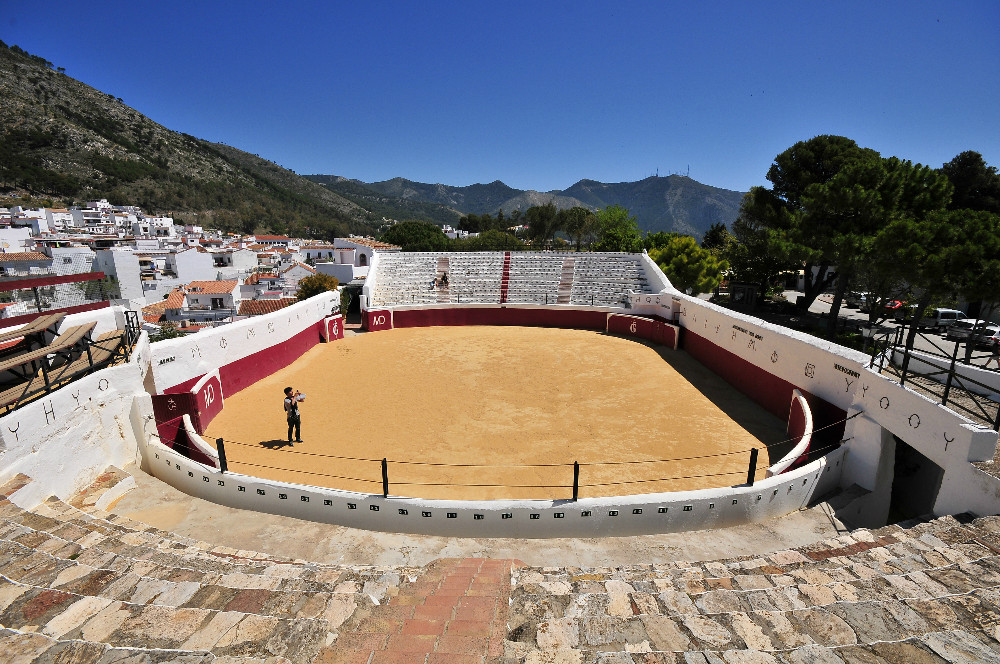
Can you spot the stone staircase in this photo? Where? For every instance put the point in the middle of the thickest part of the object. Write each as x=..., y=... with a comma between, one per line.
x=927, y=592
x=80, y=585
x=102, y=586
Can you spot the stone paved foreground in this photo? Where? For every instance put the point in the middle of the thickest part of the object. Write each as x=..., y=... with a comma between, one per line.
x=83, y=586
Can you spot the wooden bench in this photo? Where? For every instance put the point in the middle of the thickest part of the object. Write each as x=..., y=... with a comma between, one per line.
x=35, y=329
x=45, y=379
x=100, y=352
x=12, y=396
x=66, y=341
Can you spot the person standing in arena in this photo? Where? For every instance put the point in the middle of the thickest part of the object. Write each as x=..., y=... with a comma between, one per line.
x=292, y=401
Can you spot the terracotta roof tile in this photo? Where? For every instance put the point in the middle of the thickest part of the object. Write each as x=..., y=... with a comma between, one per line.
x=260, y=307
x=23, y=256
x=368, y=242
x=176, y=299
x=298, y=264
x=211, y=287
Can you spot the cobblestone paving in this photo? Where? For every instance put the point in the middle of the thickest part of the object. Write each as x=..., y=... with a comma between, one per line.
x=80, y=587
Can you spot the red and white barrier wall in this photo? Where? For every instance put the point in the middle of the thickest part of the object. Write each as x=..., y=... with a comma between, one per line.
x=768, y=362
x=193, y=374
x=800, y=426
x=245, y=351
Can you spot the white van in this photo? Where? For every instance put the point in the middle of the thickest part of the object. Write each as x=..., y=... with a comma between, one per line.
x=939, y=319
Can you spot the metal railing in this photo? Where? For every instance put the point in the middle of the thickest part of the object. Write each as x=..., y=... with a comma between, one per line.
x=939, y=372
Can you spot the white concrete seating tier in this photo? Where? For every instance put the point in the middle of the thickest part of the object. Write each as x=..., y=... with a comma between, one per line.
x=475, y=277
x=534, y=278
x=605, y=280
x=602, y=280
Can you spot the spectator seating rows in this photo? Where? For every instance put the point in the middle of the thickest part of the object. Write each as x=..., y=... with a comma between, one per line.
x=581, y=279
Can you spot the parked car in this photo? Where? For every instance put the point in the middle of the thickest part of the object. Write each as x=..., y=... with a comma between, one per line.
x=959, y=330
x=940, y=319
x=985, y=337
x=855, y=300
x=899, y=309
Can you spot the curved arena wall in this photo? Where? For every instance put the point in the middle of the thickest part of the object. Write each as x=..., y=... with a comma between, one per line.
x=588, y=517
x=245, y=351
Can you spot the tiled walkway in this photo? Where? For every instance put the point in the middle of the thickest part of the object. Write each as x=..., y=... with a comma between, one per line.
x=454, y=613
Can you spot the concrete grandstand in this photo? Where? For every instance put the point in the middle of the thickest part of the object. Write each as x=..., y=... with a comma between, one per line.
x=79, y=582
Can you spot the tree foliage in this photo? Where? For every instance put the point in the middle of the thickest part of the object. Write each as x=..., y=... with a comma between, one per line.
x=690, y=268
x=416, y=236
x=977, y=185
x=716, y=237
x=580, y=224
x=617, y=230
x=315, y=284
x=749, y=249
x=491, y=240
x=543, y=222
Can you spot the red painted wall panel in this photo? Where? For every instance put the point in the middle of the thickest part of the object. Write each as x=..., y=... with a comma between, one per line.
x=209, y=401
x=334, y=326
x=168, y=407
x=173, y=435
x=566, y=318
x=374, y=321
x=774, y=394
x=243, y=373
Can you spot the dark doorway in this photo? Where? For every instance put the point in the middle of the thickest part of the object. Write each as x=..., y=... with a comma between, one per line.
x=916, y=481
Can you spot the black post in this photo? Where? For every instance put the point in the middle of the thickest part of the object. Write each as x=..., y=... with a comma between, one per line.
x=752, y=471
x=576, y=480
x=223, y=465
x=385, y=478
x=38, y=301
x=951, y=374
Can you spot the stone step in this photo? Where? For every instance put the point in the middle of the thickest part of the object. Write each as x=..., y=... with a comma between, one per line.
x=456, y=611
x=109, y=483
x=70, y=616
x=100, y=549
x=838, y=625
x=219, y=592
x=945, y=647
x=30, y=647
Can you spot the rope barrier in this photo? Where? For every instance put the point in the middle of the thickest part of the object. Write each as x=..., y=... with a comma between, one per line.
x=808, y=453
x=306, y=472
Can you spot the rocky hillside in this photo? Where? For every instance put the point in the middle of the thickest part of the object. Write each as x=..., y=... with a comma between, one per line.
x=673, y=203
x=62, y=141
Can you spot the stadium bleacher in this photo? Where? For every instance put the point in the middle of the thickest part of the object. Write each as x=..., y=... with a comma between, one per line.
x=546, y=278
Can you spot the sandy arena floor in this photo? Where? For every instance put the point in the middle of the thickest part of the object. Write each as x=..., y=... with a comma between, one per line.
x=506, y=408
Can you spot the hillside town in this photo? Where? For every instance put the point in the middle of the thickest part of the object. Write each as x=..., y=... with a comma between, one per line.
x=182, y=277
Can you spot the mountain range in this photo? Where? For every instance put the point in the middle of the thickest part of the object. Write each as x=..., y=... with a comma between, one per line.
x=64, y=142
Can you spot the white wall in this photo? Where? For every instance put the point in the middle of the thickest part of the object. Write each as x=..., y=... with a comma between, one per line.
x=63, y=441
x=12, y=239
x=123, y=266
x=840, y=376
x=822, y=368
x=178, y=360
x=193, y=265
x=636, y=515
x=343, y=272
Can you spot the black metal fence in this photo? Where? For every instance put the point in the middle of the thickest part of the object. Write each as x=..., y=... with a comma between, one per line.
x=939, y=370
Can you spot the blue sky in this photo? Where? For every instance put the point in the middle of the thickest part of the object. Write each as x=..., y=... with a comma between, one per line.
x=539, y=94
